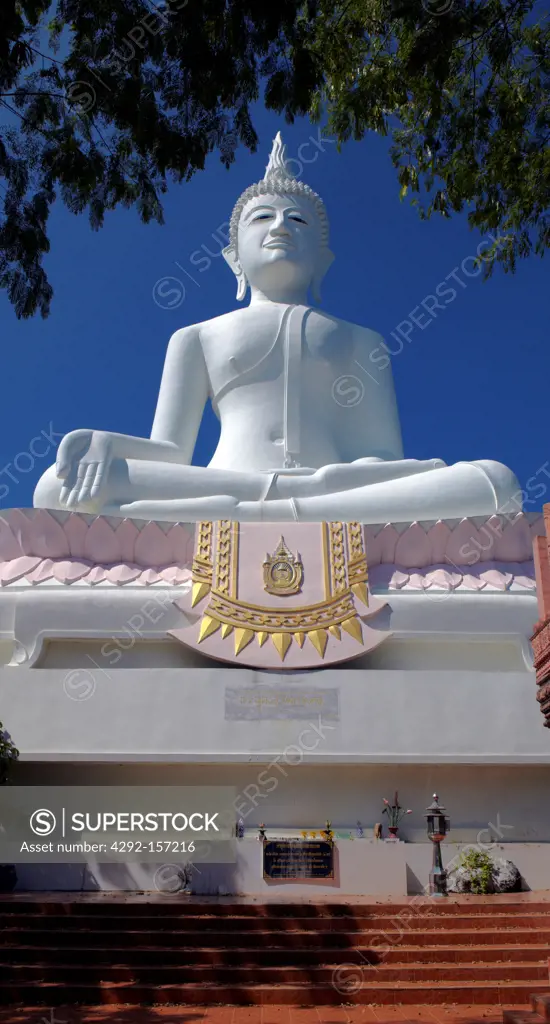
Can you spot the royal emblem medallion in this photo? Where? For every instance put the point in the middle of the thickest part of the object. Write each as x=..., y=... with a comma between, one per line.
x=283, y=571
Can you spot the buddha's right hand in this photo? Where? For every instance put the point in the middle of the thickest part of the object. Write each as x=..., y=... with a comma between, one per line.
x=83, y=461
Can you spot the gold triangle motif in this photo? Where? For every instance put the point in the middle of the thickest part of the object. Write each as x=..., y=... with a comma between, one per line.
x=353, y=627
x=226, y=630
x=198, y=592
x=208, y=626
x=319, y=640
x=300, y=638
x=335, y=630
x=360, y=591
x=242, y=639
x=281, y=643
x=261, y=637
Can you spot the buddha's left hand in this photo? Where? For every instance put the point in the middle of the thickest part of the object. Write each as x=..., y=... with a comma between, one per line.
x=83, y=461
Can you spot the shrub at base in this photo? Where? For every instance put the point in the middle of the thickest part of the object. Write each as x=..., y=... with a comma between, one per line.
x=477, y=872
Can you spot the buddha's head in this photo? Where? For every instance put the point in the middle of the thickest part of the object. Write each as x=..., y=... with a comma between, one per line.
x=279, y=233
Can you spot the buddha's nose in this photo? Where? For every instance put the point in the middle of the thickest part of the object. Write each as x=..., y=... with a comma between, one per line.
x=280, y=228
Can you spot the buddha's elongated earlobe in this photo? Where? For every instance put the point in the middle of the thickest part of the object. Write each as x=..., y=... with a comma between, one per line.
x=325, y=259
x=242, y=286
x=231, y=258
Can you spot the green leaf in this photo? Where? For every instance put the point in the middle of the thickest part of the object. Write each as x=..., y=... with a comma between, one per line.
x=463, y=97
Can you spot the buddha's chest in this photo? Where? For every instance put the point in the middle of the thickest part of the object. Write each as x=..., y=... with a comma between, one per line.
x=276, y=342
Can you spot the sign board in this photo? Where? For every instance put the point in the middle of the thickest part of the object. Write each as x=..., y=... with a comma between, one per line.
x=292, y=859
x=252, y=703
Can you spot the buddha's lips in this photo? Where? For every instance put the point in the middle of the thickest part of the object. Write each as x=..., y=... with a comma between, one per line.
x=278, y=245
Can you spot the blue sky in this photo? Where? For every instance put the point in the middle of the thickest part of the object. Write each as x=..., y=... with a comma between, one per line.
x=472, y=383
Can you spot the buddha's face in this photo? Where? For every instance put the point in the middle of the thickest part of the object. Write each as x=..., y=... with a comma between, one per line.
x=279, y=242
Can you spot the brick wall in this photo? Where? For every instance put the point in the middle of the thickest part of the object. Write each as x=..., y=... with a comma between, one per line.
x=541, y=635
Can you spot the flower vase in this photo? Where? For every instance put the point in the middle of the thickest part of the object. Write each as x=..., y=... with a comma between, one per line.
x=393, y=836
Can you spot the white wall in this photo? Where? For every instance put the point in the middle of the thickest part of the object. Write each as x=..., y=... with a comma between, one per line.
x=362, y=868
x=178, y=715
x=480, y=800
x=479, y=654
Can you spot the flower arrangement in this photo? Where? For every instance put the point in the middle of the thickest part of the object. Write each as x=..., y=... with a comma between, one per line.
x=394, y=811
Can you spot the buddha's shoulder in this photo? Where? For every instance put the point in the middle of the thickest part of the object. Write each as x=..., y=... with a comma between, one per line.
x=323, y=322
x=208, y=327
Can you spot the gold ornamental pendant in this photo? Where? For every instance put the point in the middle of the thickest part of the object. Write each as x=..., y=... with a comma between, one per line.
x=283, y=571
x=229, y=576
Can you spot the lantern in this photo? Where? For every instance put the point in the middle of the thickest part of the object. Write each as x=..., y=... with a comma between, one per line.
x=438, y=825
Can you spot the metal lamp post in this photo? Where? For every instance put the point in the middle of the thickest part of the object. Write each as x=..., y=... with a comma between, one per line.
x=438, y=827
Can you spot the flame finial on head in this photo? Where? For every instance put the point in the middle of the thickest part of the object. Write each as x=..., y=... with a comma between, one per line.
x=278, y=168
x=280, y=179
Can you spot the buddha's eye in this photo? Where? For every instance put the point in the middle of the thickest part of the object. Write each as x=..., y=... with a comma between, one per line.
x=262, y=216
x=295, y=216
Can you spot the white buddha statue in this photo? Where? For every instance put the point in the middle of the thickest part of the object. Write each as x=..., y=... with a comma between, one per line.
x=287, y=449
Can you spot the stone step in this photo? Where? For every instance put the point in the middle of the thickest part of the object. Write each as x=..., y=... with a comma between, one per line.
x=295, y=939
x=302, y=956
x=268, y=1014
x=155, y=905
x=53, y=994
x=271, y=956
x=285, y=922
x=387, y=926
x=342, y=975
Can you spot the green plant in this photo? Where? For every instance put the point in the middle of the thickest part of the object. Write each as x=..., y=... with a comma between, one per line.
x=480, y=867
x=94, y=118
